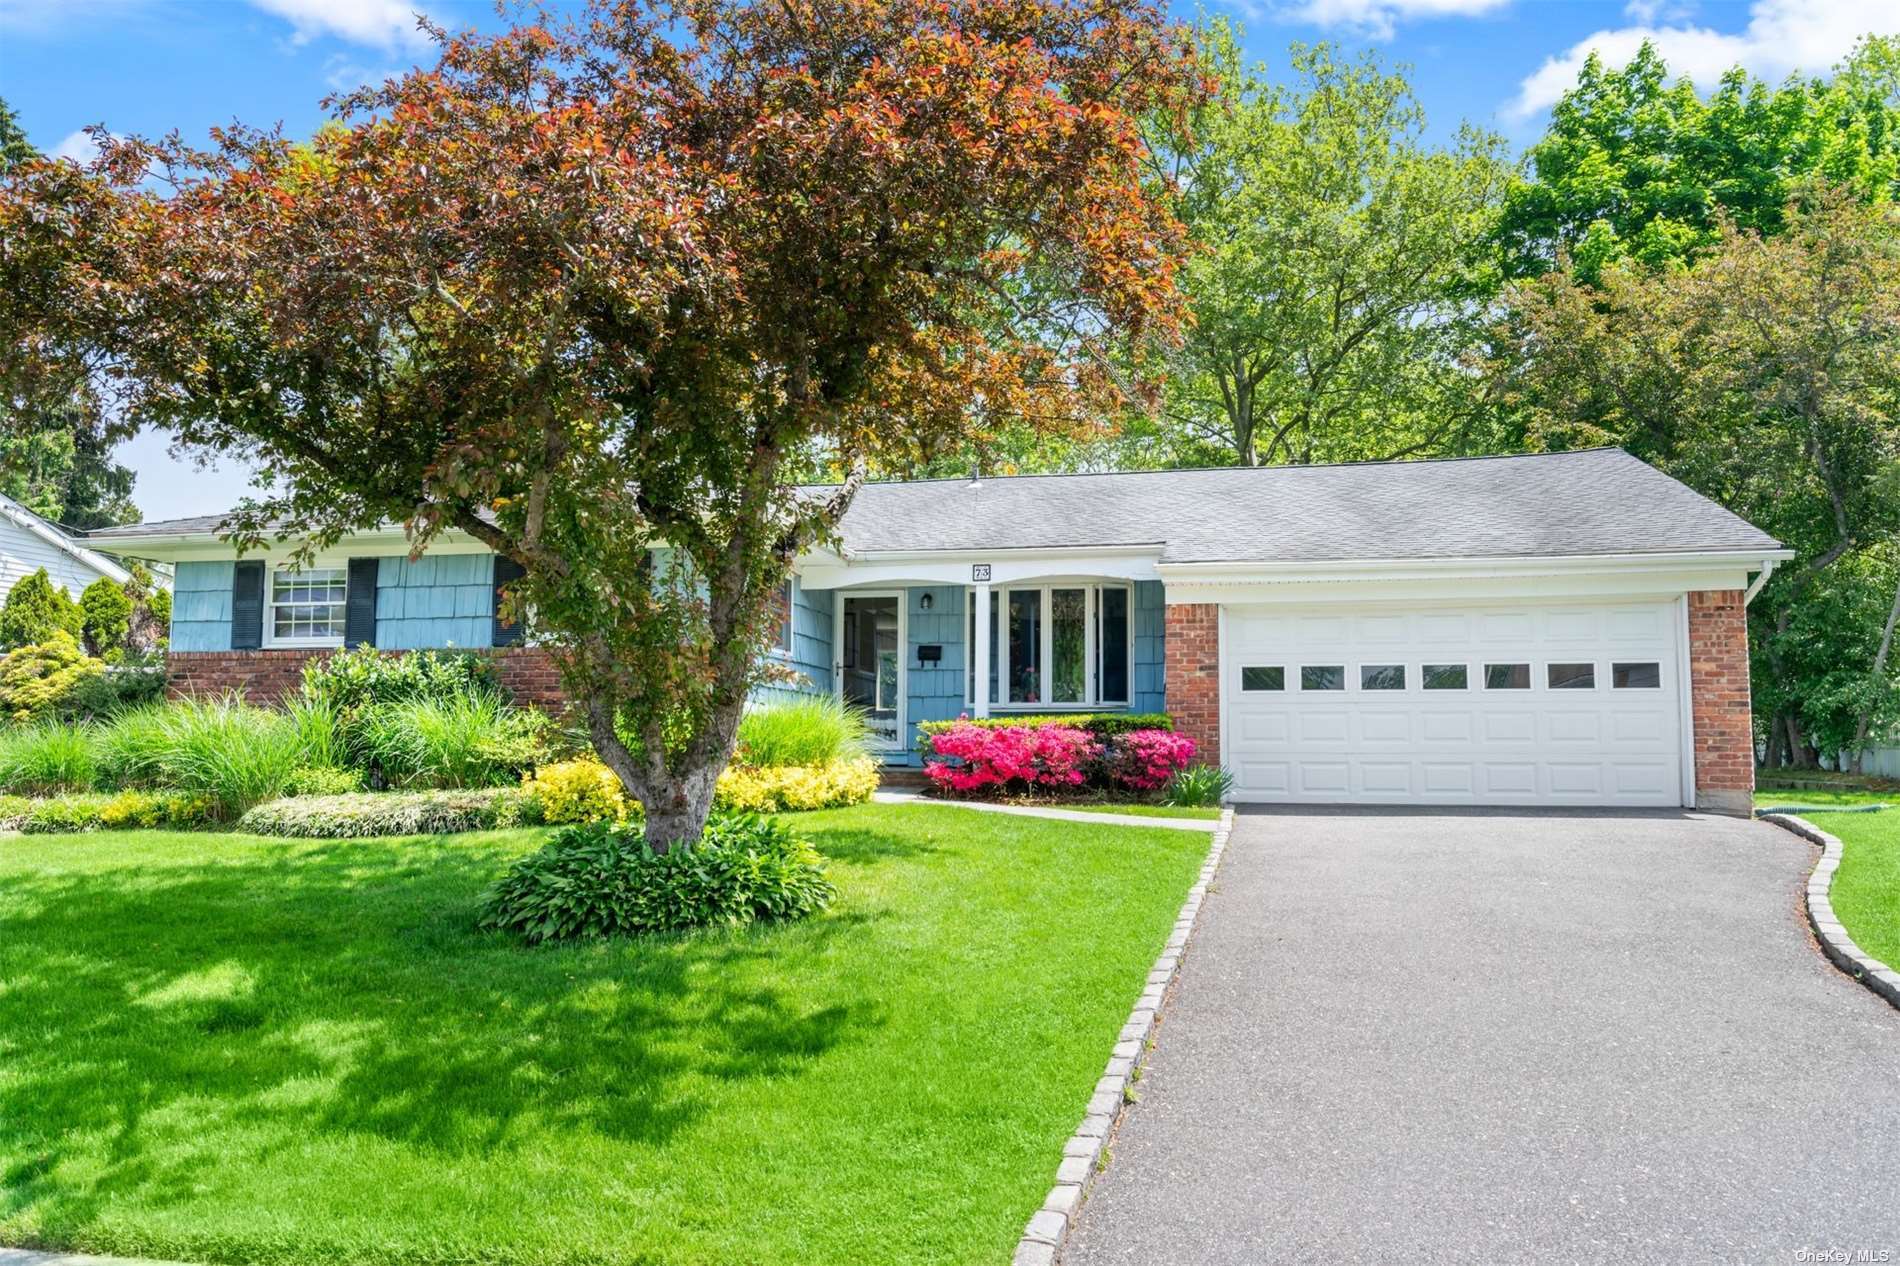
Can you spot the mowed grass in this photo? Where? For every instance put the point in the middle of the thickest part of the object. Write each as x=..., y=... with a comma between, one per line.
x=1197, y=812
x=227, y=1048
x=1770, y=797
x=1866, y=889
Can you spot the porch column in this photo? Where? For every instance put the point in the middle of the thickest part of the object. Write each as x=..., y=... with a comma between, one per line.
x=980, y=653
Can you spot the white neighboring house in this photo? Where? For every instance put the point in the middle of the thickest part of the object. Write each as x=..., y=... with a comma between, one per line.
x=28, y=543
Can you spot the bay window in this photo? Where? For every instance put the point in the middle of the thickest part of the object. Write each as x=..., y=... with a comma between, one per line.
x=1054, y=646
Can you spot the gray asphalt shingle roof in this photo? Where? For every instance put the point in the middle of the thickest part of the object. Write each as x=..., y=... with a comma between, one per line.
x=1599, y=501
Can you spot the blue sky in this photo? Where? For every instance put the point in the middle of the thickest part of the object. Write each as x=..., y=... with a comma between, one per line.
x=149, y=66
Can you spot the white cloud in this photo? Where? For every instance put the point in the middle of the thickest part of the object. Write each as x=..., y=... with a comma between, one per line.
x=386, y=24
x=1378, y=18
x=78, y=146
x=345, y=74
x=1781, y=38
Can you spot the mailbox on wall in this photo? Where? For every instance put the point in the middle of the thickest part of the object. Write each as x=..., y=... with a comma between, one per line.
x=930, y=654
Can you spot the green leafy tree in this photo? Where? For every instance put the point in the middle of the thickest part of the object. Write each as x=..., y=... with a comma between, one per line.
x=1766, y=375
x=105, y=615
x=36, y=609
x=150, y=623
x=587, y=291
x=1339, y=258
x=1635, y=166
x=55, y=456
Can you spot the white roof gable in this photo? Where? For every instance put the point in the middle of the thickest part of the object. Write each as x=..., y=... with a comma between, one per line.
x=28, y=543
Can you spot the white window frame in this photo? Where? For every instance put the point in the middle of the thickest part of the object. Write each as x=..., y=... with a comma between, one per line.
x=272, y=572
x=1092, y=668
x=787, y=625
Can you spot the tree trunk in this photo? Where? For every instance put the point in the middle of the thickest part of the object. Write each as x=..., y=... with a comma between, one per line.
x=1865, y=722
x=676, y=812
x=1797, y=745
x=677, y=799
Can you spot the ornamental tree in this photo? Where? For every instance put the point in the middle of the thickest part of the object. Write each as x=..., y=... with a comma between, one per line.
x=593, y=292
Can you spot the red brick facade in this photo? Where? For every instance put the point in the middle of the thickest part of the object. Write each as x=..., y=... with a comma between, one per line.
x=1718, y=696
x=266, y=676
x=1192, y=648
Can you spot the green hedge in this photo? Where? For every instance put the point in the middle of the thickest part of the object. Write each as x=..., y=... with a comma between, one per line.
x=1103, y=725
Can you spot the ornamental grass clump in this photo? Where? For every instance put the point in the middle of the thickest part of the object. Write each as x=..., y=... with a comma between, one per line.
x=50, y=757
x=221, y=747
x=599, y=880
x=808, y=732
x=468, y=740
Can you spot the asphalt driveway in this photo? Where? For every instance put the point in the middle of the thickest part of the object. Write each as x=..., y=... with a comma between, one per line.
x=1499, y=1035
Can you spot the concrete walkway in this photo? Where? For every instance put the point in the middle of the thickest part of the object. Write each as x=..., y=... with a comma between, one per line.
x=1040, y=811
x=32, y=1257
x=1470, y=1036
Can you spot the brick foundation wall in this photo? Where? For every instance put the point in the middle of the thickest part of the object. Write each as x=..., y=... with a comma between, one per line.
x=1718, y=697
x=268, y=675
x=1191, y=650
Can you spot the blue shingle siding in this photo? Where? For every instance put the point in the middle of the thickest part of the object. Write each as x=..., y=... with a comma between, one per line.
x=201, y=606
x=811, y=645
x=934, y=693
x=1149, y=687
x=435, y=601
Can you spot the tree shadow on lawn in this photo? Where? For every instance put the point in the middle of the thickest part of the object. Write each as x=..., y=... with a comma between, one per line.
x=162, y=1021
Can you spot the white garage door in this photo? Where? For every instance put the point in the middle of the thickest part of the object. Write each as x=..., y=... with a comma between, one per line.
x=1561, y=705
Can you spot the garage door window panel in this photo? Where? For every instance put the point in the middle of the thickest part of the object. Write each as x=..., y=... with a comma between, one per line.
x=1445, y=677
x=1323, y=677
x=1259, y=678
x=1382, y=676
x=1643, y=675
x=1570, y=676
x=1507, y=676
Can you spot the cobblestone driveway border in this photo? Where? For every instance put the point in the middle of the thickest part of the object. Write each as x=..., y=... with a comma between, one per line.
x=1835, y=941
x=1082, y=1154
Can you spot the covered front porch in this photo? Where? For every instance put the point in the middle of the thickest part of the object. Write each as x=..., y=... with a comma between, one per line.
x=1081, y=632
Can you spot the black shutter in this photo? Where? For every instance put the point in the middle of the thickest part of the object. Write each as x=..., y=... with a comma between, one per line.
x=247, y=606
x=359, y=604
x=507, y=571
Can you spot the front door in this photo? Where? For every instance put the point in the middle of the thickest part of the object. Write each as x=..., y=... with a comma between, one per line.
x=871, y=664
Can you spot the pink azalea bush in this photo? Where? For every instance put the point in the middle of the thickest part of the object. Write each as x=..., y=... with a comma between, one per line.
x=968, y=758
x=1148, y=760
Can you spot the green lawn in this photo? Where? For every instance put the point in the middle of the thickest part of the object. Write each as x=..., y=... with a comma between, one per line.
x=1769, y=797
x=228, y=1048
x=1139, y=810
x=1866, y=890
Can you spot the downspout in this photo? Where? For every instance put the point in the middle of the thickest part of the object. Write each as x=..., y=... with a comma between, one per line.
x=1767, y=570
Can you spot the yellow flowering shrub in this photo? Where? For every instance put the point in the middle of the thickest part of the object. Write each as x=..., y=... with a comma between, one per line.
x=780, y=788
x=574, y=791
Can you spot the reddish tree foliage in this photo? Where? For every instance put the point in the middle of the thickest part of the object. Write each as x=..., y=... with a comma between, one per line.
x=583, y=291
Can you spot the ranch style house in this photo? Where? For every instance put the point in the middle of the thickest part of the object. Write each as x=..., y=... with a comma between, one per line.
x=1550, y=629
